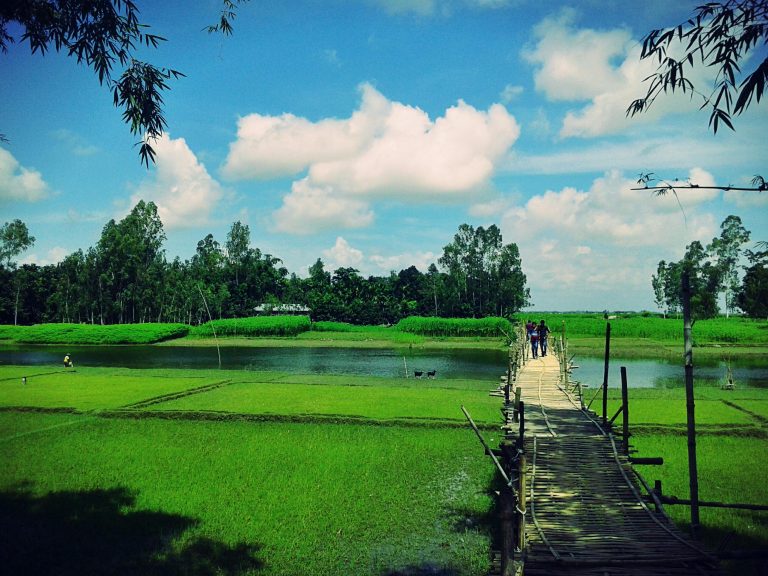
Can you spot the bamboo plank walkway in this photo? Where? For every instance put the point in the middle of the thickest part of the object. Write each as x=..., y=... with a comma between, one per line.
x=585, y=513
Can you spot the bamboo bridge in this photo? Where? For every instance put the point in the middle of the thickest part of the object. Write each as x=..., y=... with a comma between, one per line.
x=570, y=503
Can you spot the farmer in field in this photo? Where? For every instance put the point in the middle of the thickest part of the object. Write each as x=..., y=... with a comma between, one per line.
x=68, y=361
x=543, y=334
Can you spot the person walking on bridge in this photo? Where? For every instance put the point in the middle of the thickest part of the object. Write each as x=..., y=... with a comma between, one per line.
x=543, y=334
x=534, y=334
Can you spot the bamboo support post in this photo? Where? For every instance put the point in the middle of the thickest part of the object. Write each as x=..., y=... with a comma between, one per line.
x=521, y=505
x=693, y=475
x=605, y=371
x=625, y=407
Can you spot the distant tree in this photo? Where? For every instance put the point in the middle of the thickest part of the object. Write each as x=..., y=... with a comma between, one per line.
x=705, y=278
x=721, y=35
x=483, y=275
x=658, y=283
x=753, y=296
x=726, y=250
x=14, y=239
x=105, y=35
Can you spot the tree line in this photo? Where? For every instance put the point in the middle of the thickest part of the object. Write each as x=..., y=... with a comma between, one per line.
x=714, y=270
x=126, y=278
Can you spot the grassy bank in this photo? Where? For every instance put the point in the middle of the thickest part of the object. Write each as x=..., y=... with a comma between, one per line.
x=631, y=335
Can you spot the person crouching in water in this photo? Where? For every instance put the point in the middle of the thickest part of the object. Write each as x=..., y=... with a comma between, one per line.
x=68, y=361
x=543, y=334
x=535, y=341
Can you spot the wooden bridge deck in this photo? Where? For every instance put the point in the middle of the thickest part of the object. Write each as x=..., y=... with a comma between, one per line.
x=585, y=514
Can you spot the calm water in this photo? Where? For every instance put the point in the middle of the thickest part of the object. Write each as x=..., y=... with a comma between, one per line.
x=751, y=372
x=488, y=364
x=447, y=364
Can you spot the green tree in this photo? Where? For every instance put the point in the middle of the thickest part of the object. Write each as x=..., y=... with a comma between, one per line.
x=483, y=275
x=658, y=282
x=14, y=239
x=130, y=262
x=705, y=278
x=721, y=35
x=753, y=296
x=726, y=250
x=106, y=36
x=207, y=270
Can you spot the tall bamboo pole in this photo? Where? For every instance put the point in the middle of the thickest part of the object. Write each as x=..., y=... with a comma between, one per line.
x=693, y=475
x=605, y=371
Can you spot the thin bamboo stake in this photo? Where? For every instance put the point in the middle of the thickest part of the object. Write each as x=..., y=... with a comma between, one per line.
x=218, y=351
x=693, y=475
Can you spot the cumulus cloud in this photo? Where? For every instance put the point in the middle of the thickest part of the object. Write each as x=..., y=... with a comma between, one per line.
x=397, y=262
x=20, y=183
x=605, y=241
x=180, y=186
x=601, y=67
x=342, y=255
x=384, y=150
x=309, y=209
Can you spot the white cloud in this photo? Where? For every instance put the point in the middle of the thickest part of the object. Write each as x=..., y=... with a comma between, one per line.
x=20, y=183
x=53, y=256
x=180, y=186
x=510, y=93
x=309, y=209
x=668, y=153
x=603, y=243
x=602, y=67
x=413, y=155
x=342, y=255
x=385, y=264
x=385, y=149
x=575, y=64
x=272, y=146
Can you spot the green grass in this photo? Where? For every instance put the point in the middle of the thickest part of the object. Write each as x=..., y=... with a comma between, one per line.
x=371, y=402
x=735, y=330
x=253, y=327
x=311, y=499
x=731, y=469
x=87, y=389
x=92, y=333
x=433, y=326
x=149, y=495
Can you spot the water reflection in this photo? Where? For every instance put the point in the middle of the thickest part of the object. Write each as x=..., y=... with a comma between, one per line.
x=747, y=372
x=373, y=362
x=459, y=363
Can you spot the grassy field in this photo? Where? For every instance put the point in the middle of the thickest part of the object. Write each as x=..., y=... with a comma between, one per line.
x=175, y=472
x=732, y=439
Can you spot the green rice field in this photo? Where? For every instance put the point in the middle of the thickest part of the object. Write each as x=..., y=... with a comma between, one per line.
x=125, y=471
x=213, y=472
x=731, y=444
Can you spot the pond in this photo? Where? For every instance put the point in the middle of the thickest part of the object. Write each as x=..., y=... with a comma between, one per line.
x=455, y=363
x=481, y=364
x=644, y=373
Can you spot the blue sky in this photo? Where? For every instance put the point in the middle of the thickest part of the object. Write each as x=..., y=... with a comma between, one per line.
x=365, y=132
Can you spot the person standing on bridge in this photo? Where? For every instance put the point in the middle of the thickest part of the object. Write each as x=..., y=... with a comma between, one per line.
x=534, y=335
x=543, y=334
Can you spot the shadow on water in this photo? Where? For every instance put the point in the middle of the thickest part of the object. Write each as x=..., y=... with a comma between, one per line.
x=95, y=532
